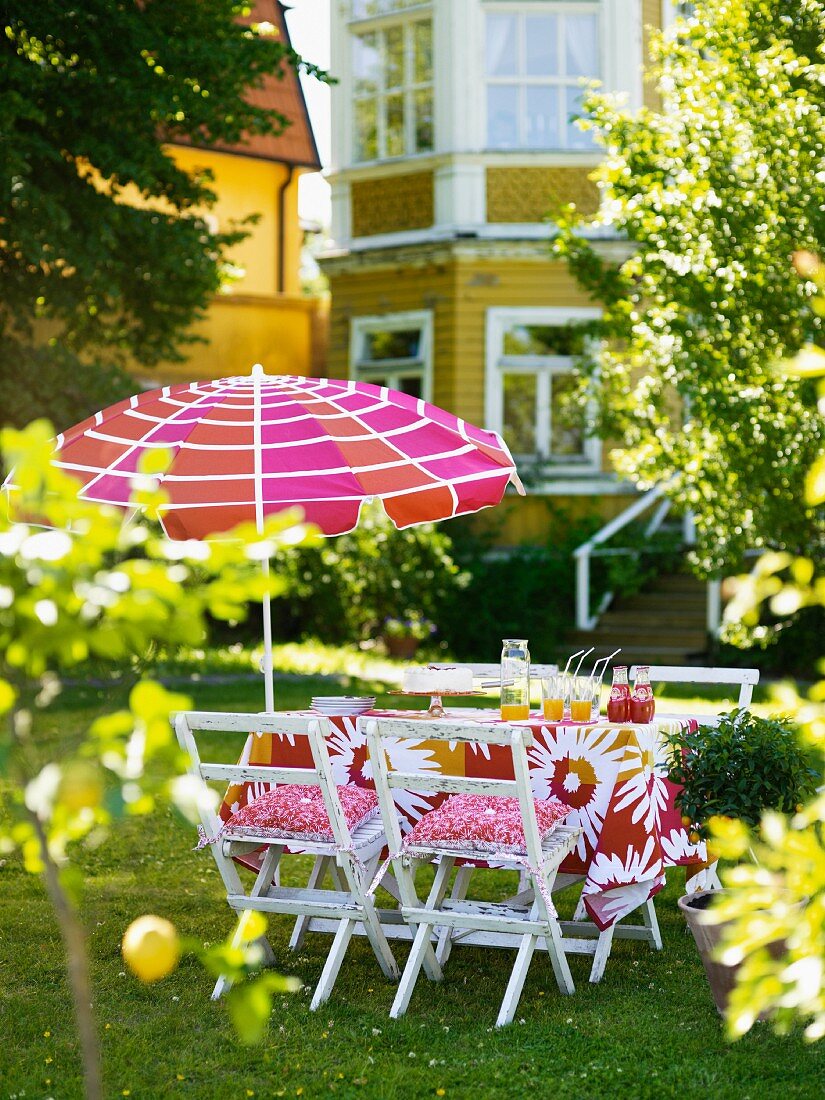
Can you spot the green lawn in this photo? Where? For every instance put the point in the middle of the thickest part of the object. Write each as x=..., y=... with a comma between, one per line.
x=648, y=1030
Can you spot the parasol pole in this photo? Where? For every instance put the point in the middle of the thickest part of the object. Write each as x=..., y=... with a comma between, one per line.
x=269, y=679
x=258, y=374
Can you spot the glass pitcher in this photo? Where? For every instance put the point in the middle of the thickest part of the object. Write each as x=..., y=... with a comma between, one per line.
x=515, y=679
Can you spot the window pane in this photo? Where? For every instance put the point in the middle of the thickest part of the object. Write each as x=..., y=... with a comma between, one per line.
x=581, y=45
x=366, y=62
x=543, y=340
x=424, y=121
x=392, y=344
x=502, y=116
x=423, y=52
x=566, y=437
x=361, y=9
x=519, y=428
x=576, y=138
x=541, y=45
x=394, y=57
x=542, y=117
x=502, y=45
x=394, y=123
x=411, y=384
x=366, y=134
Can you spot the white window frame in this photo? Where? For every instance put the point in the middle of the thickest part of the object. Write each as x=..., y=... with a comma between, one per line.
x=522, y=80
x=405, y=18
x=392, y=369
x=499, y=320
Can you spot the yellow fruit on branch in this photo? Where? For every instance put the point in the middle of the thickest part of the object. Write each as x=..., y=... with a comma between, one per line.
x=151, y=948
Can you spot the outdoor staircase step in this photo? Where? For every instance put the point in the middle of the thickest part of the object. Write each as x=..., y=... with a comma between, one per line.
x=689, y=640
x=637, y=654
x=677, y=582
x=641, y=615
x=661, y=601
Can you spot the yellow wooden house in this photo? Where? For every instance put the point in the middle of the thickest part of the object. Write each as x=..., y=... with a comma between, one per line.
x=262, y=316
x=452, y=139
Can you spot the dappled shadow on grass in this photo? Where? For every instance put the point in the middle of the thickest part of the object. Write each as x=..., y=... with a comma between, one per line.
x=649, y=1029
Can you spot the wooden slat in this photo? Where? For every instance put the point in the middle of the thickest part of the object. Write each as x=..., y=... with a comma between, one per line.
x=235, y=722
x=302, y=903
x=417, y=730
x=482, y=916
x=451, y=784
x=251, y=773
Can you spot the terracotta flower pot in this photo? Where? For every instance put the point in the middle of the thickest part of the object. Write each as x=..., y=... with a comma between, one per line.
x=708, y=937
x=401, y=646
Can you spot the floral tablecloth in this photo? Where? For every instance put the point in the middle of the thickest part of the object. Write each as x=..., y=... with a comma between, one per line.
x=612, y=775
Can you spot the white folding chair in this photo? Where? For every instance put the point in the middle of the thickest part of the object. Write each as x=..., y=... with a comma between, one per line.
x=745, y=678
x=476, y=923
x=351, y=854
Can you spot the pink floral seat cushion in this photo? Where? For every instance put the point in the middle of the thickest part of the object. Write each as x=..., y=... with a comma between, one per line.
x=299, y=813
x=483, y=823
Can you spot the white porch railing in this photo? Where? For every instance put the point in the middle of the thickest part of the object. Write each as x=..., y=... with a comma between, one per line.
x=592, y=548
x=584, y=619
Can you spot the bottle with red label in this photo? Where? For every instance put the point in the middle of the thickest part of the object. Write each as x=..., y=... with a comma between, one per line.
x=642, y=703
x=618, y=705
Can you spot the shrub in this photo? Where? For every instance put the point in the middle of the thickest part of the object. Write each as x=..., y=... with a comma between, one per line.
x=343, y=589
x=742, y=767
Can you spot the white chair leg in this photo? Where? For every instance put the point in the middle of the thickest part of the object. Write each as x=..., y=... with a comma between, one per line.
x=316, y=877
x=601, y=955
x=651, y=922
x=515, y=985
x=372, y=926
x=553, y=940
x=269, y=865
x=581, y=912
x=459, y=893
x=422, y=953
x=333, y=964
x=411, y=971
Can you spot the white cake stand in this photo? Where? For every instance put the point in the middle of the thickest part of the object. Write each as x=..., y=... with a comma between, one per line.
x=436, y=706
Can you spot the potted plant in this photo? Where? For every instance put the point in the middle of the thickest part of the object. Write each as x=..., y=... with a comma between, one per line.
x=737, y=769
x=402, y=636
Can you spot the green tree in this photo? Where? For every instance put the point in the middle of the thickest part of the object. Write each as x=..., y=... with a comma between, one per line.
x=93, y=587
x=104, y=247
x=779, y=898
x=713, y=194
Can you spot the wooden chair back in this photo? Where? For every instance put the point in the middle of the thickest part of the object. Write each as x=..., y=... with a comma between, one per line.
x=188, y=724
x=745, y=678
x=518, y=738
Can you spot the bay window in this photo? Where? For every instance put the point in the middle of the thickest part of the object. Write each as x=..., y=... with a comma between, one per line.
x=536, y=55
x=392, y=66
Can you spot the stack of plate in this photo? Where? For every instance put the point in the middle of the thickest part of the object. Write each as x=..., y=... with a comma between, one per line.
x=342, y=704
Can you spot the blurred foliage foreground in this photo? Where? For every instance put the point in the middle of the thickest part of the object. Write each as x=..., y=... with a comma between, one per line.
x=775, y=902
x=77, y=583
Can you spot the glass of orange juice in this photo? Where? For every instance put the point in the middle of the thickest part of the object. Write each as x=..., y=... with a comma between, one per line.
x=581, y=699
x=552, y=698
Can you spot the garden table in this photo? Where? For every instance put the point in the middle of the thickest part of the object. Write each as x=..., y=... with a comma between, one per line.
x=612, y=775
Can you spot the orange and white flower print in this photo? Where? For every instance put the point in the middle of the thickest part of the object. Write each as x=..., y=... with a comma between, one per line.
x=678, y=848
x=608, y=906
x=606, y=872
x=638, y=785
x=577, y=765
x=351, y=764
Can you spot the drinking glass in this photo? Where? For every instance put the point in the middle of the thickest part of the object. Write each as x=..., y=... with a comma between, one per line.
x=581, y=699
x=552, y=697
